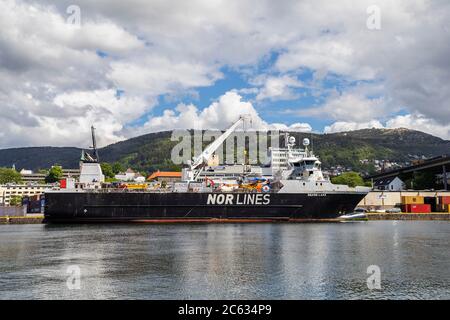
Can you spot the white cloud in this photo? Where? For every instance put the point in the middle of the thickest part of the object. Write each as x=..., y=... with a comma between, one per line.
x=278, y=88
x=67, y=120
x=411, y=121
x=124, y=108
x=158, y=75
x=55, y=85
x=172, y=48
x=350, y=106
x=325, y=53
x=342, y=126
x=219, y=115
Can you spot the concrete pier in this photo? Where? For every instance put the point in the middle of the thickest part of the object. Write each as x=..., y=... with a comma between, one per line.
x=409, y=216
x=29, y=219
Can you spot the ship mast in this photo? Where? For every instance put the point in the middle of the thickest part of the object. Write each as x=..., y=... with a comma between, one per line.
x=94, y=145
x=91, y=158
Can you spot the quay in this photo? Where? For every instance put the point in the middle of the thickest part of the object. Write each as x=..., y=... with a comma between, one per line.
x=371, y=216
x=29, y=219
x=408, y=216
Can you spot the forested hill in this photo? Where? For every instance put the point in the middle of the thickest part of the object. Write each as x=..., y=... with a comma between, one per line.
x=152, y=151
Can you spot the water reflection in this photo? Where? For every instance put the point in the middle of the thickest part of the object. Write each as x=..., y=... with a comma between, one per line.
x=226, y=261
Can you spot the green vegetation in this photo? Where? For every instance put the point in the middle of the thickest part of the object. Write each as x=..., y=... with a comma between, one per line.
x=117, y=167
x=8, y=175
x=15, y=201
x=152, y=152
x=54, y=174
x=352, y=179
x=107, y=170
x=424, y=180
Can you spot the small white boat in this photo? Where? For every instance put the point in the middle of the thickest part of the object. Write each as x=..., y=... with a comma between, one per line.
x=353, y=216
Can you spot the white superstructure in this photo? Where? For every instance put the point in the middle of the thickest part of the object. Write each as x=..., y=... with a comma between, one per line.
x=91, y=173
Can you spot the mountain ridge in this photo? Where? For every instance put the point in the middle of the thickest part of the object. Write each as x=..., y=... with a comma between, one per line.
x=151, y=151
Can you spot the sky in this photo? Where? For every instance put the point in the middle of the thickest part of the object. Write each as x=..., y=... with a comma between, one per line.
x=140, y=66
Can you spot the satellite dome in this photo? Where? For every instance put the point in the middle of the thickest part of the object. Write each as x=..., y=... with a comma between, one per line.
x=306, y=142
x=291, y=140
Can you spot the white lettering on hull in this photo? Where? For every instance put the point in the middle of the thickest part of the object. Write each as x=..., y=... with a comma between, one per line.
x=238, y=199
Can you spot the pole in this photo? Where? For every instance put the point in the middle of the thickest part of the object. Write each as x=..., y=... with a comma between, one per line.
x=94, y=144
x=444, y=177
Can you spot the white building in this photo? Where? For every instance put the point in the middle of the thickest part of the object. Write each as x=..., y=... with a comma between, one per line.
x=139, y=178
x=128, y=175
x=389, y=184
x=279, y=156
x=26, y=172
x=9, y=191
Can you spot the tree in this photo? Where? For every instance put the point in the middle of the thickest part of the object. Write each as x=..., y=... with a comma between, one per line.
x=54, y=174
x=424, y=180
x=107, y=170
x=117, y=167
x=15, y=201
x=352, y=179
x=8, y=175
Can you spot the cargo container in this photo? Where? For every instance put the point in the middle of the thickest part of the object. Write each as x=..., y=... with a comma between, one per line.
x=433, y=202
x=63, y=184
x=420, y=208
x=444, y=200
x=67, y=183
x=412, y=200
x=416, y=208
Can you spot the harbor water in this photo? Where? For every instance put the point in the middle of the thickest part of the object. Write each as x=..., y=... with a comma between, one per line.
x=226, y=261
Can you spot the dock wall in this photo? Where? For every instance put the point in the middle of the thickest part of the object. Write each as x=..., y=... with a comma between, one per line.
x=13, y=211
x=408, y=216
x=29, y=219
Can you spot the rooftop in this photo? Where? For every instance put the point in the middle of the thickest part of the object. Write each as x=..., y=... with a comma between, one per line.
x=165, y=174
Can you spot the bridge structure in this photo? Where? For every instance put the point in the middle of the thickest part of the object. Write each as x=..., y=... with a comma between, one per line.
x=436, y=165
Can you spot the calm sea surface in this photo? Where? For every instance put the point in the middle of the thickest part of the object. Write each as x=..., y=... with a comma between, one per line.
x=226, y=261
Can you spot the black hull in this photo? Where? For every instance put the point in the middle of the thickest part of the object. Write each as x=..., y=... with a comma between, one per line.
x=71, y=207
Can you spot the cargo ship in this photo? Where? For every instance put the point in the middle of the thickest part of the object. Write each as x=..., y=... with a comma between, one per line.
x=293, y=189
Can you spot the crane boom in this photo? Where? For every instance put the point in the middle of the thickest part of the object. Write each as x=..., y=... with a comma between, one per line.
x=198, y=162
x=211, y=148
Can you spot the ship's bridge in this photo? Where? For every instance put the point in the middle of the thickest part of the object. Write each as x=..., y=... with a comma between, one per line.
x=309, y=163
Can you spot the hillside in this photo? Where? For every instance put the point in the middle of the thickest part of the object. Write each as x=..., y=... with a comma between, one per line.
x=39, y=157
x=152, y=151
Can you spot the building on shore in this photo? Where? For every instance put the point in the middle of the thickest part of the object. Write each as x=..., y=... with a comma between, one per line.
x=9, y=191
x=389, y=184
x=382, y=200
x=128, y=175
x=166, y=176
x=28, y=176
